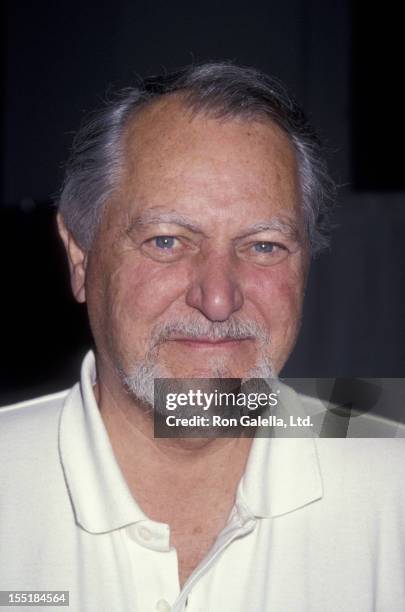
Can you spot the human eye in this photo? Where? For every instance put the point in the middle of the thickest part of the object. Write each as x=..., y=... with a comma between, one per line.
x=163, y=248
x=164, y=242
x=265, y=247
x=265, y=252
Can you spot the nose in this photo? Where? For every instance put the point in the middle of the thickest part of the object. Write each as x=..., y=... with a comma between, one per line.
x=215, y=291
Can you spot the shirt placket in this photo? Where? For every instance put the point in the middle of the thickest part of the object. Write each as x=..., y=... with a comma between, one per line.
x=155, y=563
x=241, y=522
x=154, y=566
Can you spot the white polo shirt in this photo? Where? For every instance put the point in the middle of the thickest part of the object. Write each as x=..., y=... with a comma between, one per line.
x=318, y=524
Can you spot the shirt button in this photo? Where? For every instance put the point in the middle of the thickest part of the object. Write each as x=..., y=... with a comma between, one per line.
x=145, y=534
x=163, y=606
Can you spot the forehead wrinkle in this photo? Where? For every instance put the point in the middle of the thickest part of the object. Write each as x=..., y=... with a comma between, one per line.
x=289, y=228
x=154, y=217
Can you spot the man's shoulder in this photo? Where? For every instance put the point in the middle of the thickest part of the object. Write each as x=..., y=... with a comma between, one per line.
x=27, y=423
x=33, y=407
x=365, y=452
x=364, y=449
x=342, y=421
x=31, y=476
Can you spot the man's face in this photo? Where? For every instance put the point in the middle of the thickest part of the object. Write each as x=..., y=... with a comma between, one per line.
x=204, y=236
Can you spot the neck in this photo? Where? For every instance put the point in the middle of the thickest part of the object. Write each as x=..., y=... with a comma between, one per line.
x=189, y=484
x=130, y=429
x=129, y=424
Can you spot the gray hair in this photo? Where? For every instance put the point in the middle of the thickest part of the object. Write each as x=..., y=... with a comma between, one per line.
x=221, y=89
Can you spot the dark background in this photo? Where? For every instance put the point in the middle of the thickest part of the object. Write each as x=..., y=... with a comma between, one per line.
x=343, y=62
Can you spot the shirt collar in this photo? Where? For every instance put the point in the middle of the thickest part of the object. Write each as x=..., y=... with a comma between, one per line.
x=281, y=475
x=100, y=496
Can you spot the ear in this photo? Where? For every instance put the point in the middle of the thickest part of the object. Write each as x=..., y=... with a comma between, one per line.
x=77, y=259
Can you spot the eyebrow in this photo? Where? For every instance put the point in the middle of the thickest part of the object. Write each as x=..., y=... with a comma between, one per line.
x=172, y=217
x=286, y=227
x=289, y=228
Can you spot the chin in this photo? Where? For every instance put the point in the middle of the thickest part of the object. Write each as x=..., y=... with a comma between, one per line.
x=216, y=368
x=138, y=380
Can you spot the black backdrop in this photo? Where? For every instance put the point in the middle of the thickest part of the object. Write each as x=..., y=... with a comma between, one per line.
x=342, y=62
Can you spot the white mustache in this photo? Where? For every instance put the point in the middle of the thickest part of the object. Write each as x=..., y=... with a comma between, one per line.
x=233, y=329
x=139, y=380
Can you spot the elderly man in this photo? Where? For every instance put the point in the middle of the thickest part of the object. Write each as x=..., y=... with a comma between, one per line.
x=189, y=212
